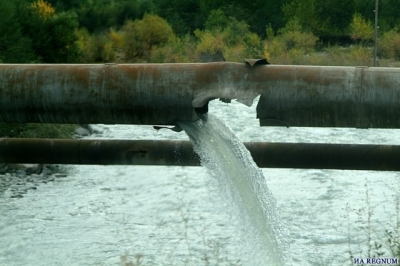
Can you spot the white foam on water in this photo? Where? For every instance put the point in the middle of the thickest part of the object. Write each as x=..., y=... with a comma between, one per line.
x=243, y=186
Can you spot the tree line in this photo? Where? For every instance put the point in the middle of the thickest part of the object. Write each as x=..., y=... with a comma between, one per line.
x=88, y=31
x=326, y=19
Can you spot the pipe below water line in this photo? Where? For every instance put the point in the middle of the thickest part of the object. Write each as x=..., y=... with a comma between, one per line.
x=180, y=153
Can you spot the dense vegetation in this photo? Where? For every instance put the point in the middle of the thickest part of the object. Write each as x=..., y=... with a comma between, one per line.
x=285, y=31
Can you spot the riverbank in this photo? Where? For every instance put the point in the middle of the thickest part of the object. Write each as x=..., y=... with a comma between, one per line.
x=18, y=179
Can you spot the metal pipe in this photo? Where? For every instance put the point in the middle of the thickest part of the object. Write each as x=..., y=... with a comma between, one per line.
x=161, y=94
x=313, y=96
x=116, y=94
x=101, y=152
x=180, y=153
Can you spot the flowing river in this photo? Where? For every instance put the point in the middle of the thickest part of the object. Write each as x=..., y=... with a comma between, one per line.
x=98, y=215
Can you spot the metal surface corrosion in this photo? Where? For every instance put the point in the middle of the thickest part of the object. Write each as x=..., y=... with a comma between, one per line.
x=302, y=96
x=180, y=153
x=161, y=94
x=153, y=94
x=100, y=152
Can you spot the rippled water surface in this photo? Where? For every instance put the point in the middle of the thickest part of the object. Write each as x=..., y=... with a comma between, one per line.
x=175, y=215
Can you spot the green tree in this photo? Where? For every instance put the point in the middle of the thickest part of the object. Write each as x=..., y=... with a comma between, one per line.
x=389, y=11
x=306, y=13
x=184, y=16
x=291, y=44
x=293, y=36
x=361, y=30
x=226, y=41
x=87, y=46
x=140, y=36
x=67, y=4
x=269, y=32
x=99, y=15
x=337, y=15
x=266, y=12
x=256, y=13
x=103, y=14
x=53, y=36
x=216, y=19
x=177, y=50
x=211, y=42
x=14, y=46
x=389, y=44
x=327, y=19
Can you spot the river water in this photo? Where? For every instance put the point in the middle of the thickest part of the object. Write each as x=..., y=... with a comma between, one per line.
x=177, y=216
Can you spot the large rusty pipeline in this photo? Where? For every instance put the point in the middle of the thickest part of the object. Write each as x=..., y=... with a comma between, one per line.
x=180, y=153
x=117, y=94
x=161, y=94
x=314, y=96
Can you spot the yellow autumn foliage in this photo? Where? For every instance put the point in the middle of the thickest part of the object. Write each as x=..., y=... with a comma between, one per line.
x=210, y=42
x=116, y=39
x=361, y=29
x=140, y=37
x=44, y=9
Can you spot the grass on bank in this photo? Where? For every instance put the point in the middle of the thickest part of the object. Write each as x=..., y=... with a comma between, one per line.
x=15, y=130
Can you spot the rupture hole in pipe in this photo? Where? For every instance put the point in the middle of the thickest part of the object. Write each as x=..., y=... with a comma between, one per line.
x=202, y=110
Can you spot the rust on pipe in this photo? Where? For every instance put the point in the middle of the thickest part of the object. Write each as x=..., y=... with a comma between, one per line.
x=161, y=94
x=312, y=96
x=100, y=152
x=117, y=94
x=180, y=153
x=325, y=156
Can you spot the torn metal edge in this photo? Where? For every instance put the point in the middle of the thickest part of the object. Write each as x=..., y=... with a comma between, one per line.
x=256, y=62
